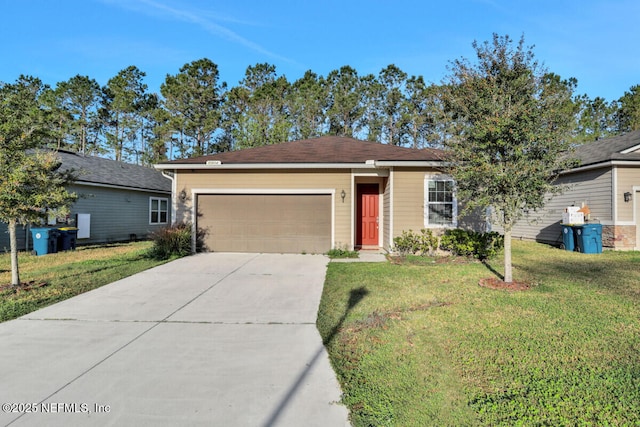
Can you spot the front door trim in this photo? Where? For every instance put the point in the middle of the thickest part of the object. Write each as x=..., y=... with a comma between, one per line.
x=371, y=192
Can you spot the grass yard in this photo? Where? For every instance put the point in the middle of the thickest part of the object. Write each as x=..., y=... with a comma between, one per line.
x=422, y=344
x=68, y=273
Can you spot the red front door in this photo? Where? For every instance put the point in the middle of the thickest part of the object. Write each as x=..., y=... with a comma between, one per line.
x=367, y=232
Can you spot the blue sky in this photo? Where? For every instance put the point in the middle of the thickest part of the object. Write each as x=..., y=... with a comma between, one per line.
x=594, y=41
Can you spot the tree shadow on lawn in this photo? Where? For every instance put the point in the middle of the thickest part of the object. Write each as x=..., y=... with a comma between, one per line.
x=355, y=297
x=493, y=270
x=498, y=282
x=620, y=274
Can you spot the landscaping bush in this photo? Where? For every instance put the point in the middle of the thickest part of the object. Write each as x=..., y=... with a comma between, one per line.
x=174, y=240
x=471, y=243
x=409, y=242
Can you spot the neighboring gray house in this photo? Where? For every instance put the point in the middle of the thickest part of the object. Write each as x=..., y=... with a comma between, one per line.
x=607, y=180
x=117, y=201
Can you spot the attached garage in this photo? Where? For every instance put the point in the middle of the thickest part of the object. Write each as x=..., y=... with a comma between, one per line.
x=276, y=223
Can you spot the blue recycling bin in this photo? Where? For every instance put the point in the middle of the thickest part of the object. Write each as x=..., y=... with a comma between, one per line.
x=589, y=238
x=67, y=238
x=45, y=240
x=568, y=237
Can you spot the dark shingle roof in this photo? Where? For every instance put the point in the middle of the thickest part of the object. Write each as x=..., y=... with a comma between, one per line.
x=97, y=170
x=325, y=149
x=609, y=149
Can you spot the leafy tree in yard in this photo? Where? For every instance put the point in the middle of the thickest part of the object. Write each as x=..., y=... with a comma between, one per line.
x=30, y=180
x=509, y=122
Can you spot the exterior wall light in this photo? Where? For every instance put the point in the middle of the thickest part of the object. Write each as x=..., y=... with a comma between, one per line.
x=182, y=196
x=343, y=195
x=627, y=197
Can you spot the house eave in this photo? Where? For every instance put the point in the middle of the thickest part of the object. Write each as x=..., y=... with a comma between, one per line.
x=600, y=165
x=120, y=187
x=411, y=163
x=631, y=149
x=365, y=165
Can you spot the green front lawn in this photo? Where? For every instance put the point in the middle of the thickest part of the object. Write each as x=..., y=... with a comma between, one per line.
x=417, y=345
x=66, y=274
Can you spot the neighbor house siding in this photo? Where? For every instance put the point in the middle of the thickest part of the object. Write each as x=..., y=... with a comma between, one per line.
x=21, y=236
x=627, y=179
x=116, y=214
x=273, y=180
x=592, y=188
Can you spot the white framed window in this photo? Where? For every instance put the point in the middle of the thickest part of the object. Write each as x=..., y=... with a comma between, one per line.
x=440, y=204
x=158, y=210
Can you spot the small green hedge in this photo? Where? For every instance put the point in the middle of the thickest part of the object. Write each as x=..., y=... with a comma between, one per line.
x=456, y=241
x=174, y=240
x=471, y=243
x=409, y=242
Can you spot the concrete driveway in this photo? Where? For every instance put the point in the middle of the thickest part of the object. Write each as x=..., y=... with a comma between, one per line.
x=214, y=339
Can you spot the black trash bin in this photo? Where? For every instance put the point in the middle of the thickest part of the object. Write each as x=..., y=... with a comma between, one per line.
x=67, y=239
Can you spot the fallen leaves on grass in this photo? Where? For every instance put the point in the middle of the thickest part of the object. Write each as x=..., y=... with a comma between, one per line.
x=495, y=283
x=25, y=286
x=378, y=319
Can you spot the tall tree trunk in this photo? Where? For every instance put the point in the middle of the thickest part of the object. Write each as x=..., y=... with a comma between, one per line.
x=83, y=132
x=15, y=273
x=508, y=271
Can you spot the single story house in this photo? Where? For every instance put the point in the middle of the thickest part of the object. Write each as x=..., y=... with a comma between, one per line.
x=117, y=201
x=607, y=180
x=312, y=195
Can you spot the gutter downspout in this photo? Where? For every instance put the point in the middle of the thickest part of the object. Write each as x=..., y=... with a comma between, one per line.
x=174, y=207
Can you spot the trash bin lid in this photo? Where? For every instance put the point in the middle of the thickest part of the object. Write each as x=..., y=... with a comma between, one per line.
x=68, y=228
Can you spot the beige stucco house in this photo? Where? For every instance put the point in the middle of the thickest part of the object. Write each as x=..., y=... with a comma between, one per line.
x=312, y=195
x=607, y=180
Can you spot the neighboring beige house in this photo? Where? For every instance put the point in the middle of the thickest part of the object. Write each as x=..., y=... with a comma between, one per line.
x=312, y=195
x=607, y=180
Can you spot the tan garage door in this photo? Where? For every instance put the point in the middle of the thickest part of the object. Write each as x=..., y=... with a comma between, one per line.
x=279, y=223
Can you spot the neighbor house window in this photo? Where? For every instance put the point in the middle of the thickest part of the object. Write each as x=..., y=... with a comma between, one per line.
x=441, y=207
x=158, y=210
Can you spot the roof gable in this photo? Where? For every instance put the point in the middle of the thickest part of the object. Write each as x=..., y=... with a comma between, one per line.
x=324, y=150
x=101, y=171
x=621, y=147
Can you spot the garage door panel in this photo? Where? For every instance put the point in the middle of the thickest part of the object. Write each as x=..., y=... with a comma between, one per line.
x=288, y=223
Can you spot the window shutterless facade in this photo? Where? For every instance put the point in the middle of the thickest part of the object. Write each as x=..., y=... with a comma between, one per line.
x=158, y=210
x=441, y=208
